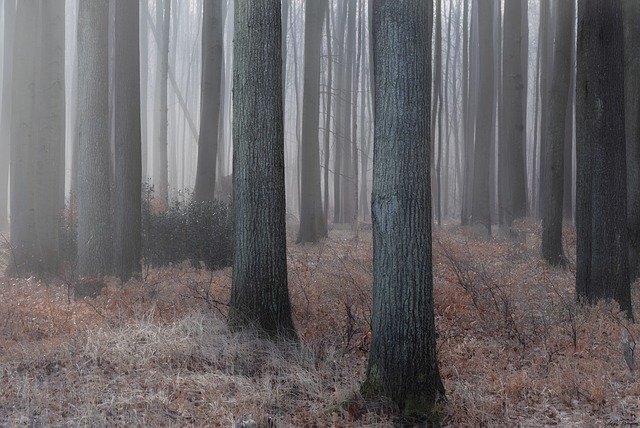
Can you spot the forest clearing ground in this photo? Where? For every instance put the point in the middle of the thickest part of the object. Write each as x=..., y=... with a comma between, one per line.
x=513, y=347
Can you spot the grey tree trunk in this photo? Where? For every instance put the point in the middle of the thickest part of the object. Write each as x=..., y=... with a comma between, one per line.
x=481, y=208
x=210, y=95
x=259, y=294
x=402, y=362
x=144, y=84
x=95, y=241
x=327, y=118
x=312, y=225
x=9, y=16
x=37, y=136
x=601, y=212
x=556, y=111
x=631, y=10
x=511, y=153
x=161, y=123
x=128, y=142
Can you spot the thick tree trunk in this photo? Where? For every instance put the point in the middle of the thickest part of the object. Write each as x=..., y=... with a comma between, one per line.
x=402, y=362
x=312, y=225
x=259, y=295
x=95, y=245
x=210, y=96
x=632, y=116
x=511, y=170
x=601, y=215
x=556, y=111
x=128, y=149
x=481, y=214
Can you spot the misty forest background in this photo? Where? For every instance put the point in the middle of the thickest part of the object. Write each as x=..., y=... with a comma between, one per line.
x=319, y=212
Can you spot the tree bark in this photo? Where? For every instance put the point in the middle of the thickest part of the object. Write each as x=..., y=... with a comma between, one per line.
x=556, y=111
x=95, y=245
x=402, y=362
x=601, y=218
x=259, y=295
x=5, y=110
x=128, y=142
x=210, y=96
x=312, y=225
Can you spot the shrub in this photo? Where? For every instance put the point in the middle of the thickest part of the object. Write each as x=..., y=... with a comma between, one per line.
x=199, y=232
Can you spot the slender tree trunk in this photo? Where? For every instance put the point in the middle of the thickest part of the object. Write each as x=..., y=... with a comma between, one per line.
x=95, y=245
x=210, y=96
x=311, y=217
x=327, y=119
x=403, y=362
x=556, y=112
x=259, y=294
x=5, y=110
x=144, y=83
x=601, y=217
x=481, y=214
x=546, y=40
x=128, y=142
x=161, y=170
x=511, y=171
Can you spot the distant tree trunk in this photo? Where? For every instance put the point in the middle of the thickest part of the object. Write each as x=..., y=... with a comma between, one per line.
x=601, y=216
x=481, y=214
x=327, y=119
x=511, y=172
x=144, y=84
x=128, y=148
x=5, y=110
x=259, y=294
x=37, y=136
x=95, y=245
x=632, y=115
x=161, y=169
x=546, y=43
x=340, y=140
x=403, y=362
x=468, y=109
x=210, y=96
x=556, y=111
x=312, y=225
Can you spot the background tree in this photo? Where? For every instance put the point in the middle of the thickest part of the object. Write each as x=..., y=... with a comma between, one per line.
x=128, y=140
x=481, y=208
x=211, y=86
x=312, y=225
x=601, y=217
x=556, y=111
x=402, y=361
x=95, y=240
x=259, y=294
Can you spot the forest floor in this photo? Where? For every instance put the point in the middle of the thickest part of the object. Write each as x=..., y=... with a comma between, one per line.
x=514, y=349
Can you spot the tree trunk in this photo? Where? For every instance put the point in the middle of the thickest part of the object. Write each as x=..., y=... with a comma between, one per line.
x=403, y=362
x=632, y=116
x=95, y=246
x=312, y=226
x=128, y=138
x=161, y=170
x=210, y=96
x=556, y=111
x=601, y=215
x=259, y=295
x=5, y=110
x=511, y=170
x=481, y=214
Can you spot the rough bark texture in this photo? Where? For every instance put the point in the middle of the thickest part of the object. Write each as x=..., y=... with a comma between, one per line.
x=632, y=116
x=312, y=225
x=601, y=220
x=95, y=245
x=556, y=112
x=259, y=295
x=128, y=149
x=481, y=208
x=402, y=362
x=511, y=170
x=210, y=95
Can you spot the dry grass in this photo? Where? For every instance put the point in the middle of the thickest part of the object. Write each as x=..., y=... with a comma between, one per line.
x=514, y=349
